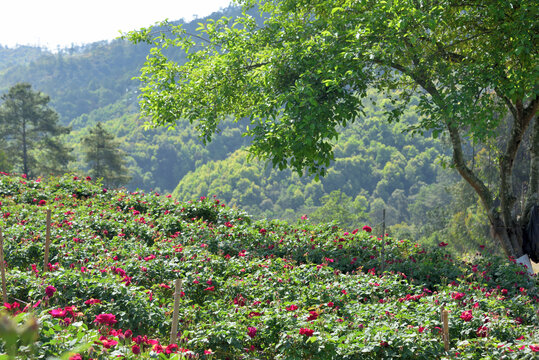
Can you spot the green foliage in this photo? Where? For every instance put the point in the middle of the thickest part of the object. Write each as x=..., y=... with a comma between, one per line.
x=104, y=158
x=341, y=208
x=5, y=164
x=19, y=55
x=299, y=74
x=31, y=133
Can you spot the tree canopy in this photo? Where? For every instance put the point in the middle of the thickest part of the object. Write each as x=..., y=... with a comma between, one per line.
x=301, y=71
x=31, y=133
x=104, y=157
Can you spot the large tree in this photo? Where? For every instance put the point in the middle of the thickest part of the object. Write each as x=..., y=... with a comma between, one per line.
x=103, y=155
x=302, y=72
x=31, y=133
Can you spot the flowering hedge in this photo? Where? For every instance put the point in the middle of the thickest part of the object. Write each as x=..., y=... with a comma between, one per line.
x=251, y=289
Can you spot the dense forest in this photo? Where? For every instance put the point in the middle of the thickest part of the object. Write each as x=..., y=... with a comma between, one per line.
x=378, y=165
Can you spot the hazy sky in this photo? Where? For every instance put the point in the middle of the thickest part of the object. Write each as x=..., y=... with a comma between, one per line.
x=50, y=23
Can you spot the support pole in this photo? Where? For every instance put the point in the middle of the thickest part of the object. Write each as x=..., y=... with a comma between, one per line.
x=47, y=241
x=445, y=326
x=2, y=268
x=177, y=293
x=382, y=255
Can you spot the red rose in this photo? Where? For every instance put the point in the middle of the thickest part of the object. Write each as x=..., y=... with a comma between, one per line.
x=105, y=319
x=466, y=315
x=251, y=331
x=292, y=307
x=50, y=290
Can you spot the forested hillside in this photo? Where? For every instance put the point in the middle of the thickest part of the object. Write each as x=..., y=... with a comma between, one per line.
x=377, y=165
x=374, y=160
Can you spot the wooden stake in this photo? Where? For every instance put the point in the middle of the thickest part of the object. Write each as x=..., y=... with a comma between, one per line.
x=47, y=241
x=2, y=268
x=383, y=265
x=177, y=293
x=445, y=325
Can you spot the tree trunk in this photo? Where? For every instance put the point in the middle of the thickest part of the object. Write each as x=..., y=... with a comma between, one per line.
x=24, y=149
x=506, y=227
x=506, y=224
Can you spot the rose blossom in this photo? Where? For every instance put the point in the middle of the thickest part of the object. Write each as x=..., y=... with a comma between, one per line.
x=105, y=319
x=306, y=332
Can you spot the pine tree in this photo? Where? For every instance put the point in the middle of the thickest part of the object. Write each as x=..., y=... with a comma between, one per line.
x=104, y=157
x=5, y=165
x=31, y=132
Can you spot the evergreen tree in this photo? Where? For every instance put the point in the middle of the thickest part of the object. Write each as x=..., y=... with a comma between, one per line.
x=5, y=165
x=105, y=158
x=31, y=132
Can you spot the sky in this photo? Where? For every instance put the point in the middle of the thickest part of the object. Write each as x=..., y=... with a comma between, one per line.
x=61, y=23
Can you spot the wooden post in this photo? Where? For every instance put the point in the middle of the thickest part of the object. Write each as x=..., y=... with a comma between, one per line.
x=382, y=255
x=2, y=268
x=445, y=326
x=177, y=293
x=47, y=241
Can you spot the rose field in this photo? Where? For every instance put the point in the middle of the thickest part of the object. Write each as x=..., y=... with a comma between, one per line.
x=250, y=289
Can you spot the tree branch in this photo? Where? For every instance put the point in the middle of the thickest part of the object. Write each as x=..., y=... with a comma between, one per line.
x=508, y=103
x=456, y=142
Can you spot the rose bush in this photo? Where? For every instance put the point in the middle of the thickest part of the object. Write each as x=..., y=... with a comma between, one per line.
x=251, y=289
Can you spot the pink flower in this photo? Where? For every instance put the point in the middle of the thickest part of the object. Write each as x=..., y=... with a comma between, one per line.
x=75, y=357
x=210, y=288
x=50, y=290
x=251, y=331
x=135, y=349
x=92, y=301
x=306, y=332
x=171, y=348
x=208, y=352
x=107, y=343
x=443, y=244
x=367, y=228
x=58, y=313
x=457, y=295
x=534, y=348
x=105, y=319
x=292, y=307
x=42, y=202
x=466, y=315
x=262, y=231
